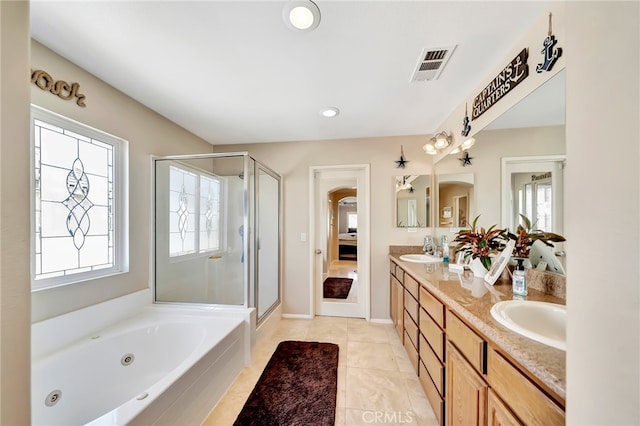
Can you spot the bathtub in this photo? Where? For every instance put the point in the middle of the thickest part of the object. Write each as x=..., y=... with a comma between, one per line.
x=164, y=365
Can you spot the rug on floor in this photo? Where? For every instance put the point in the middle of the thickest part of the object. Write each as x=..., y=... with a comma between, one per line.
x=336, y=288
x=297, y=387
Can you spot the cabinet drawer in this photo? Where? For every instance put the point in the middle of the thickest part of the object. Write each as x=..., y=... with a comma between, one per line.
x=411, y=329
x=411, y=285
x=499, y=414
x=433, y=365
x=392, y=268
x=467, y=341
x=432, y=333
x=411, y=305
x=411, y=351
x=433, y=306
x=526, y=401
x=436, y=401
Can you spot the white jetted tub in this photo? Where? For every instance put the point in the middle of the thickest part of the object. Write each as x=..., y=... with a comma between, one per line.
x=162, y=366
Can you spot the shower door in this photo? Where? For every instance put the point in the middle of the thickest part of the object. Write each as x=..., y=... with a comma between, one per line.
x=217, y=231
x=268, y=243
x=200, y=223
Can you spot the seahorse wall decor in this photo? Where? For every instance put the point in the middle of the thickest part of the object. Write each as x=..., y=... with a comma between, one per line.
x=60, y=88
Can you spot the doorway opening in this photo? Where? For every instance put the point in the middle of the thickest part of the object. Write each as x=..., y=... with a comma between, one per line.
x=339, y=210
x=342, y=247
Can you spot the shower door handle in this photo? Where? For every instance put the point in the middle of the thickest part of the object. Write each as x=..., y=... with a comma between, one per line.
x=318, y=251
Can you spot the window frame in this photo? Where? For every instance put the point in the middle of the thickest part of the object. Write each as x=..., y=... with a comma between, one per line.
x=120, y=200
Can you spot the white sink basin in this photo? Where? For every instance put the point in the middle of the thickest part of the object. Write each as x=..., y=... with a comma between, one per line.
x=420, y=258
x=541, y=321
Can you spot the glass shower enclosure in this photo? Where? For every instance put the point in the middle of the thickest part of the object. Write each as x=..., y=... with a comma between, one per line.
x=218, y=231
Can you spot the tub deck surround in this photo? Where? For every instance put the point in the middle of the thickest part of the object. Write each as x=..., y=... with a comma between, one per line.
x=162, y=365
x=546, y=364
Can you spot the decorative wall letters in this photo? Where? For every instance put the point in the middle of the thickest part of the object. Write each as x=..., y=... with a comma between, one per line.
x=60, y=88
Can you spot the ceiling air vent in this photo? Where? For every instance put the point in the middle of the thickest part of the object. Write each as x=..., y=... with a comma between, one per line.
x=431, y=62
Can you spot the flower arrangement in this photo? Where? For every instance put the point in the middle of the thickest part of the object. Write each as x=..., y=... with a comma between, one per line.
x=525, y=235
x=480, y=243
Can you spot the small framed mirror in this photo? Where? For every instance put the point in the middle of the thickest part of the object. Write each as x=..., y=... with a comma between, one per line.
x=413, y=201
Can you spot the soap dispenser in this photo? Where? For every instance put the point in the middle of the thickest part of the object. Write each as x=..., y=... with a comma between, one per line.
x=519, y=282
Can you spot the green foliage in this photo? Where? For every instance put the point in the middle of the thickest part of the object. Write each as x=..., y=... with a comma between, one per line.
x=525, y=235
x=480, y=242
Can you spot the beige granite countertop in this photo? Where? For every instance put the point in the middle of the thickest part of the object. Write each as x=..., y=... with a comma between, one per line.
x=473, y=299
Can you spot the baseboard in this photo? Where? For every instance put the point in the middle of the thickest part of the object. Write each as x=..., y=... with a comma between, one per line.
x=381, y=321
x=297, y=316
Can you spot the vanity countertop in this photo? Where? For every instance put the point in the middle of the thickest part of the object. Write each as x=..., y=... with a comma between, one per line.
x=472, y=300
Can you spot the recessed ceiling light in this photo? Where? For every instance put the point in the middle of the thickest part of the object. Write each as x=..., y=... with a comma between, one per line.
x=330, y=112
x=301, y=15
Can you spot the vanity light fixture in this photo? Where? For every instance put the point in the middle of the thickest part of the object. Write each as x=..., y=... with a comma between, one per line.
x=329, y=112
x=437, y=143
x=301, y=15
x=465, y=146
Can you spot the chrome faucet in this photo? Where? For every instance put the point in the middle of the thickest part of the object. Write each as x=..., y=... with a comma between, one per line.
x=429, y=246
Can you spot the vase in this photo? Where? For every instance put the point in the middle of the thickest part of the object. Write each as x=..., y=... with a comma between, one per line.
x=478, y=268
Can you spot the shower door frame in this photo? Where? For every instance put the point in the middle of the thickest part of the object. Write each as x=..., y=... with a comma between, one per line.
x=261, y=166
x=250, y=266
x=245, y=220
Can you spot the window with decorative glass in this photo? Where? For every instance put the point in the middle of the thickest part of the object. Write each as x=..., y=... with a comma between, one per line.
x=195, y=205
x=79, y=212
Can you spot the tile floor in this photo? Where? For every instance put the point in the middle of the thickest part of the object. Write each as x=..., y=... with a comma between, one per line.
x=376, y=382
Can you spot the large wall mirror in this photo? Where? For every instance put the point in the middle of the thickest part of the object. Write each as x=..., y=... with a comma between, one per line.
x=413, y=201
x=531, y=131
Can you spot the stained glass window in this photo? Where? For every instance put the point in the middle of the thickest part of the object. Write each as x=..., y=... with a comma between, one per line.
x=75, y=201
x=209, y=213
x=194, y=211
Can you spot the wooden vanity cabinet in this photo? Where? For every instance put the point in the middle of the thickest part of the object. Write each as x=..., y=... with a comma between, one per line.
x=466, y=380
x=525, y=400
x=473, y=367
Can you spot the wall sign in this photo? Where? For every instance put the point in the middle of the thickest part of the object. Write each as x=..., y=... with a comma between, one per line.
x=512, y=75
x=544, y=176
x=60, y=88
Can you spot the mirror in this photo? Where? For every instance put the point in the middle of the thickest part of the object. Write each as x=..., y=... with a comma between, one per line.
x=530, y=132
x=533, y=187
x=455, y=200
x=413, y=201
x=534, y=127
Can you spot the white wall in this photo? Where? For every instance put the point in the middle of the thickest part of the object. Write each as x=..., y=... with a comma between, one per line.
x=603, y=304
x=148, y=134
x=14, y=221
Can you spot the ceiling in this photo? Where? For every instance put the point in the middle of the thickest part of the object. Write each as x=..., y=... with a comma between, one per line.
x=232, y=72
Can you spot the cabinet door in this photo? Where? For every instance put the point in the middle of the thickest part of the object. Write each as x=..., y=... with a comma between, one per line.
x=393, y=299
x=466, y=392
x=498, y=414
x=397, y=308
